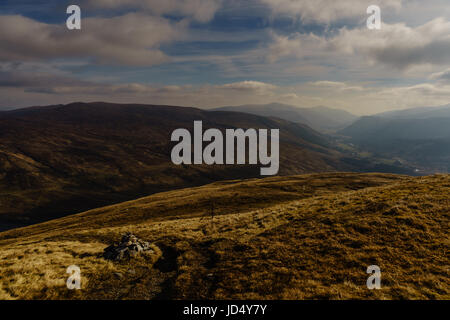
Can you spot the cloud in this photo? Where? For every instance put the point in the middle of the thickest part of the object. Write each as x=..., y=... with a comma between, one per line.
x=395, y=45
x=59, y=89
x=199, y=10
x=298, y=45
x=125, y=40
x=443, y=76
x=425, y=90
x=25, y=80
x=336, y=85
x=327, y=11
x=329, y=84
x=248, y=86
x=358, y=98
x=26, y=75
x=350, y=67
x=398, y=45
x=72, y=86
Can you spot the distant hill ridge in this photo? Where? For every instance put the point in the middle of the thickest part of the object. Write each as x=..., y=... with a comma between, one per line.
x=62, y=159
x=418, y=113
x=319, y=118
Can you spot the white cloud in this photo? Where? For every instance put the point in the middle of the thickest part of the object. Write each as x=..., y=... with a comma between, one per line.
x=336, y=85
x=443, y=76
x=395, y=45
x=398, y=45
x=249, y=86
x=128, y=40
x=298, y=45
x=327, y=11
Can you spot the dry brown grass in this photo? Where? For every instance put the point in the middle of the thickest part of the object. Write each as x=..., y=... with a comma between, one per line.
x=302, y=237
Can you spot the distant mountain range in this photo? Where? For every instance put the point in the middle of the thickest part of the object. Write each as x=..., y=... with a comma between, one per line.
x=420, y=135
x=64, y=159
x=418, y=113
x=319, y=118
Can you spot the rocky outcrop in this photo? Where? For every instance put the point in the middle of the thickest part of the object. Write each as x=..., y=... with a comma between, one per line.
x=129, y=247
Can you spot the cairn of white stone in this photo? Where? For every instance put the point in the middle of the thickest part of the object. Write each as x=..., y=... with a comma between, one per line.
x=130, y=246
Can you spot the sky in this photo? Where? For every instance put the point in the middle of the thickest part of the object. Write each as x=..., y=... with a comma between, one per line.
x=213, y=53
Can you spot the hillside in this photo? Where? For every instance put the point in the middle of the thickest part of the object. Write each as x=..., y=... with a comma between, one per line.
x=64, y=159
x=320, y=118
x=297, y=237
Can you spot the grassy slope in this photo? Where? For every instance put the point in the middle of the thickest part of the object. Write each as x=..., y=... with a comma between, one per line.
x=299, y=237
